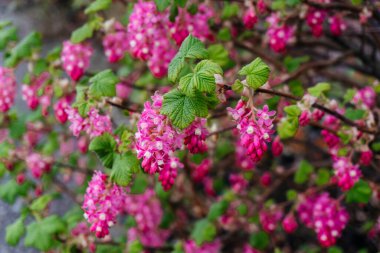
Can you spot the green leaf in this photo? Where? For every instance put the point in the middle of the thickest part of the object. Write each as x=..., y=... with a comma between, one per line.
x=292, y=3
x=40, y=203
x=7, y=35
x=230, y=10
x=10, y=190
x=376, y=146
x=287, y=128
x=182, y=110
x=354, y=114
x=323, y=177
x=237, y=86
x=218, y=54
x=350, y=93
x=292, y=64
x=103, y=84
x=140, y=183
x=181, y=3
x=17, y=127
x=162, y=4
x=242, y=209
x=82, y=104
x=23, y=49
x=40, y=234
x=224, y=34
x=191, y=48
x=291, y=195
x=104, y=146
x=134, y=247
x=202, y=79
x=98, y=5
x=257, y=73
x=304, y=171
x=292, y=110
x=123, y=168
x=335, y=249
x=204, y=231
x=15, y=231
x=259, y=240
x=82, y=33
x=217, y=210
x=296, y=88
x=319, y=89
x=361, y=192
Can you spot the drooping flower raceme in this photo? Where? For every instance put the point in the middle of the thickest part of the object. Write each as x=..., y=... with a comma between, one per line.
x=315, y=18
x=115, y=43
x=8, y=89
x=346, y=174
x=101, y=204
x=255, y=128
x=60, y=108
x=279, y=35
x=249, y=18
x=269, y=219
x=325, y=216
x=337, y=25
x=208, y=247
x=156, y=140
x=30, y=92
x=76, y=58
x=195, y=136
x=38, y=164
x=147, y=211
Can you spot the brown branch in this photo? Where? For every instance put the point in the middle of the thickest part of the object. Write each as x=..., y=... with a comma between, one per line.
x=123, y=107
x=338, y=6
x=221, y=130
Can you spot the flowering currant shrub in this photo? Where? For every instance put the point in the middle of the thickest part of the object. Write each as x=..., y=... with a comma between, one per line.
x=216, y=126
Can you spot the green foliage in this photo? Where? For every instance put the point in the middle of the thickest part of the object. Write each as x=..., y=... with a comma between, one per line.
x=181, y=109
x=259, y=240
x=98, y=5
x=376, y=146
x=319, y=89
x=124, y=167
x=140, y=183
x=354, y=114
x=82, y=103
x=41, y=203
x=257, y=73
x=217, y=209
x=181, y=3
x=288, y=127
x=292, y=64
x=237, y=86
x=103, y=84
x=230, y=10
x=23, y=49
x=133, y=247
x=204, y=231
x=350, y=93
x=191, y=48
x=219, y=54
x=10, y=190
x=296, y=88
x=84, y=32
x=104, y=146
x=40, y=234
x=335, y=249
x=303, y=173
x=202, y=79
x=291, y=195
x=323, y=177
x=17, y=126
x=224, y=34
x=162, y=4
x=15, y=231
x=292, y=110
x=360, y=193
x=7, y=35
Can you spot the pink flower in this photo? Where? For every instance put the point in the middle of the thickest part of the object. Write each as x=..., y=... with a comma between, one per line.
x=101, y=205
x=123, y=91
x=208, y=247
x=337, y=25
x=266, y=179
x=249, y=18
x=289, y=224
x=60, y=109
x=367, y=96
x=76, y=58
x=269, y=219
x=115, y=43
x=314, y=19
x=346, y=174
x=304, y=118
x=7, y=88
x=199, y=172
x=169, y=174
x=195, y=136
x=38, y=164
x=366, y=157
x=277, y=146
x=238, y=182
x=325, y=216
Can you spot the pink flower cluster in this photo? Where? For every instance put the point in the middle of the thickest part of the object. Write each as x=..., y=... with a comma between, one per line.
x=60, y=108
x=346, y=174
x=337, y=25
x=102, y=204
x=30, y=92
x=289, y=224
x=150, y=33
x=325, y=216
x=250, y=18
x=242, y=161
x=195, y=136
x=8, y=88
x=269, y=219
x=156, y=140
x=199, y=172
x=76, y=58
x=115, y=43
x=209, y=247
x=38, y=164
x=314, y=19
x=196, y=24
x=94, y=125
x=238, y=182
x=148, y=213
x=279, y=35
x=255, y=130
x=366, y=95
